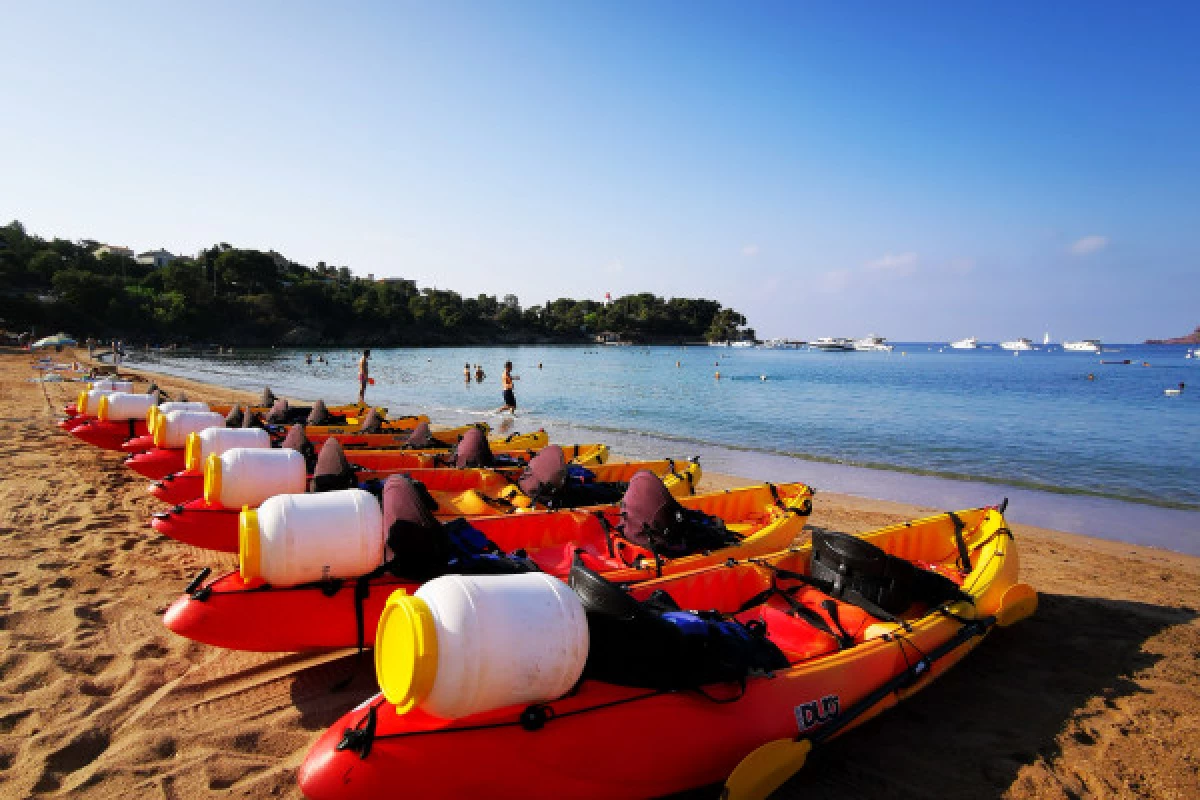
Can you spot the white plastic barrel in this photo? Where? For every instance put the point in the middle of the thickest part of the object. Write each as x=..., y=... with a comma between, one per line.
x=247, y=477
x=215, y=441
x=110, y=385
x=163, y=408
x=299, y=538
x=89, y=402
x=120, y=406
x=465, y=644
x=172, y=429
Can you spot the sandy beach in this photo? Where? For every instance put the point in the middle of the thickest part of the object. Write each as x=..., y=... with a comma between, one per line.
x=1097, y=696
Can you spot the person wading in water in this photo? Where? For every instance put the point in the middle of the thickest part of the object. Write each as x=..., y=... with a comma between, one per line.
x=364, y=376
x=506, y=381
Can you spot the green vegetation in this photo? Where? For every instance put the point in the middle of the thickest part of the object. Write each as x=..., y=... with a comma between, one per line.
x=245, y=297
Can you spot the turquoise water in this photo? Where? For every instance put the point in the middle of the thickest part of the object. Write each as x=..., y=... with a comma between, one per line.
x=1030, y=421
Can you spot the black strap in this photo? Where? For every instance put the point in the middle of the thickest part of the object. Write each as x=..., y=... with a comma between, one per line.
x=843, y=639
x=362, y=590
x=608, y=532
x=964, y=557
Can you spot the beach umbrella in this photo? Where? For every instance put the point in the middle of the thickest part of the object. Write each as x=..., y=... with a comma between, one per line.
x=57, y=340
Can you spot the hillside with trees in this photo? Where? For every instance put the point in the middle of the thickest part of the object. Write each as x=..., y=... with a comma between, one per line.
x=227, y=295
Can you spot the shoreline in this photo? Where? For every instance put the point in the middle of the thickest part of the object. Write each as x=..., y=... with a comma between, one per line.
x=1097, y=695
x=1094, y=516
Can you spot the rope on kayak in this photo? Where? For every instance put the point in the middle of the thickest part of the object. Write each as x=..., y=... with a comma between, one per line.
x=360, y=738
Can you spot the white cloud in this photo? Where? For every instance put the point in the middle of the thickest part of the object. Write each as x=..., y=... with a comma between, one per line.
x=900, y=263
x=834, y=281
x=1089, y=244
x=750, y=250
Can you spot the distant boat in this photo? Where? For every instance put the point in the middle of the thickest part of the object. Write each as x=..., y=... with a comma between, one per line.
x=970, y=343
x=832, y=344
x=1018, y=344
x=1045, y=338
x=1083, y=346
x=873, y=343
x=1174, y=392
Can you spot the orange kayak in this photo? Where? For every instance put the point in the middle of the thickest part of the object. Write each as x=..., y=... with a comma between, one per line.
x=839, y=666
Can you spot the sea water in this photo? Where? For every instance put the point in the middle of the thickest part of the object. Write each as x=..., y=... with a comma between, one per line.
x=1110, y=454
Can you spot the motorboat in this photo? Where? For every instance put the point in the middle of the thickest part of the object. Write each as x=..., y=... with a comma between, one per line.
x=832, y=344
x=970, y=343
x=1018, y=344
x=1083, y=346
x=873, y=343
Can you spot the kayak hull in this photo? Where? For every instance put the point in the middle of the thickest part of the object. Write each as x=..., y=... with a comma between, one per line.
x=227, y=613
x=158, y=462
x=139, y=444
x=200, y=525
x=109, y=435
x=696, y=740
x=280, y=620
x=179, y=487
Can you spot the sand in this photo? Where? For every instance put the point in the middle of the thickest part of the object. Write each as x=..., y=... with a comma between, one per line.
x=1096, y=696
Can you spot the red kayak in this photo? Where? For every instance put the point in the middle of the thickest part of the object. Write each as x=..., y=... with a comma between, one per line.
x=158, y=462
x=787, y=656
x=110, y=434
x=139, y=444
x=229, y=612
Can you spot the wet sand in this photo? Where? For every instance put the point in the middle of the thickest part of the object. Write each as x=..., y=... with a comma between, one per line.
x=1096, y=696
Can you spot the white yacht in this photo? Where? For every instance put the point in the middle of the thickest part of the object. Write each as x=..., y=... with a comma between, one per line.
x=1083, y=346
x=873, y=343
x=970, y=343
x=832, y=344
x=1018, y=344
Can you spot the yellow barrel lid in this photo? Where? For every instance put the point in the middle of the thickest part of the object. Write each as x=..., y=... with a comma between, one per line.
x=249, y=547
x=81, y=403
x=212, y=479
x=102, y=413
x=151, y=417
x=191, y=452
x=160, y=430
x=406, y=651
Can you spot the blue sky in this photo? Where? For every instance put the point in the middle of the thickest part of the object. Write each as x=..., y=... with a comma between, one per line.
x=920, y=170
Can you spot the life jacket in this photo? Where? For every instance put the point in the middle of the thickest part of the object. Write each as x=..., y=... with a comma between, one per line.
x=332, y=470
x=654, y=644
x=857, y=572
x=652, y=518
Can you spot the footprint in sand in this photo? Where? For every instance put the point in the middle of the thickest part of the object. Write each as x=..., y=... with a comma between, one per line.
x=81, y=751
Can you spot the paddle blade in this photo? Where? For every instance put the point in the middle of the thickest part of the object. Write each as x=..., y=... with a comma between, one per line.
x=1019, y=602
x=766, y=769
